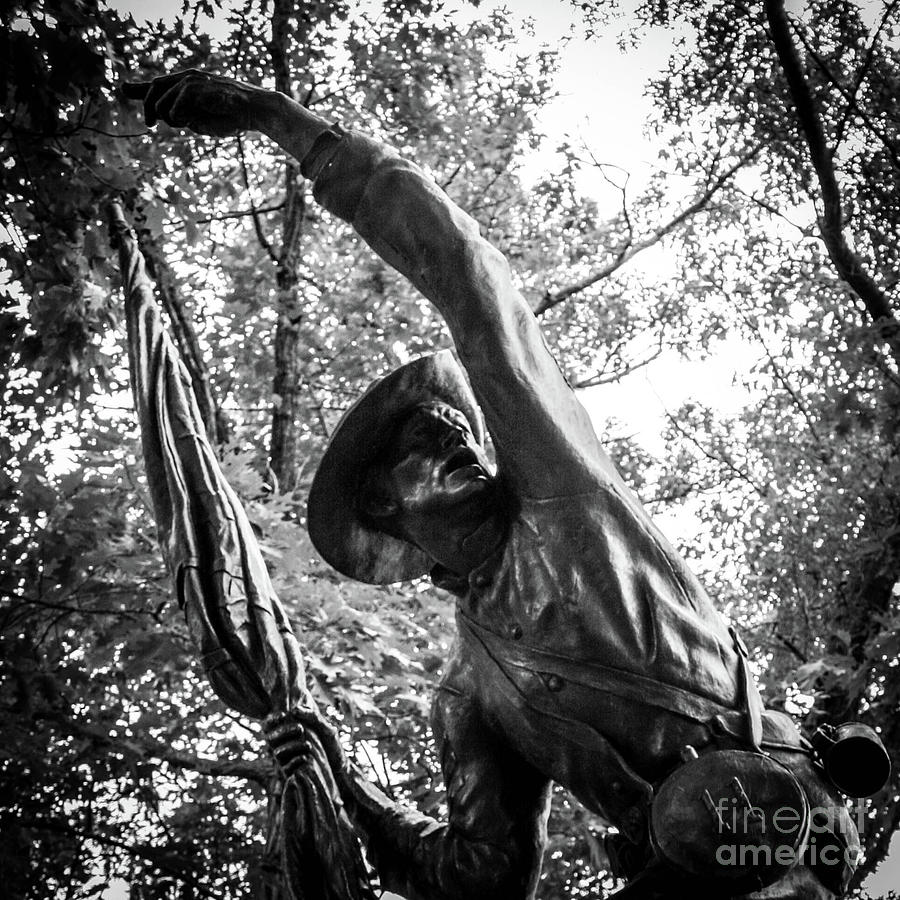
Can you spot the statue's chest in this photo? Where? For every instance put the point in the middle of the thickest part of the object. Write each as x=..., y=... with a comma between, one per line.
x=567, y=586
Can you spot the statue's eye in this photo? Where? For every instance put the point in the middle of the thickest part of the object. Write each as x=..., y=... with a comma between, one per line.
x=420, y=436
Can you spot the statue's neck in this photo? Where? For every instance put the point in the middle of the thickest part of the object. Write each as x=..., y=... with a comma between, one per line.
x=477, y=548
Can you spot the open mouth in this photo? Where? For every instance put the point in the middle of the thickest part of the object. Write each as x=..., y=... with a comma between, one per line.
x=461, y=466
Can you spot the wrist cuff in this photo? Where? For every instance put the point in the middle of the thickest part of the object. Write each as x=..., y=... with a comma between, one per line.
x=321, y=152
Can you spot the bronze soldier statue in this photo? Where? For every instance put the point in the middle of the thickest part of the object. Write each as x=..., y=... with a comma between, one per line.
x=587, y=653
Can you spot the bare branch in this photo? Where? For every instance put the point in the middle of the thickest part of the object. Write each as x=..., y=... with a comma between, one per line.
x=606, y=377
x=240, y=213
x=449, y=180
x=22, y=600
x=631, y=248
x=762, y=203
x=257, y=223
x=720, y=459
x=621, y=188
x=146, y=748
x=780, y=375
x=788, y=644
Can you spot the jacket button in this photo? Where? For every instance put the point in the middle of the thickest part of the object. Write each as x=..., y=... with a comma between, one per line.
x=515, y=632
x=481, y=580
x=554, y=683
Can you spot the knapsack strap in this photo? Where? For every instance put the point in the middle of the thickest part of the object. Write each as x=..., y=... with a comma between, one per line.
x=752, y=701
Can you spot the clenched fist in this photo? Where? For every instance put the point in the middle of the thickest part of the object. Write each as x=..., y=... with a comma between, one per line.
x=207, y=104
x=289, y=738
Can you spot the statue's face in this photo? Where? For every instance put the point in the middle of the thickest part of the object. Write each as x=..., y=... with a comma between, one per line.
x=434, y=463
x=434, y=487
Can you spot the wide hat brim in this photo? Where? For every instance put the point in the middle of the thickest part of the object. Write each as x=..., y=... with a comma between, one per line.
x=338, y=530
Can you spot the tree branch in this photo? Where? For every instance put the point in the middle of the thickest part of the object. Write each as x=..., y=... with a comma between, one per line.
x=146, y=748
x=22, y=600
x=631, y=248
x=627, y=368
x=780, y=375
x=864, y=68
x=240, y=213
x=720, y=460
x=788, y=644
x=257, y=223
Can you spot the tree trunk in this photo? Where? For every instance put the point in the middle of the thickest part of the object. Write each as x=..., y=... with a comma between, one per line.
x=847, y=263
x=284, y=451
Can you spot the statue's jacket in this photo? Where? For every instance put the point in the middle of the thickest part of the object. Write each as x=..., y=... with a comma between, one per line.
x=584, y=640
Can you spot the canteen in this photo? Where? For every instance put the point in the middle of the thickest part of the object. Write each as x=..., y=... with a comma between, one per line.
x=853, y=757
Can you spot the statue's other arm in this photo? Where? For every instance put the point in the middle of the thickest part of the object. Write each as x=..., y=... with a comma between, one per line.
x=492, y=843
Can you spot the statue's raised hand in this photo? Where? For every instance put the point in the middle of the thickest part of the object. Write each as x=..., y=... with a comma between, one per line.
x=207, y=104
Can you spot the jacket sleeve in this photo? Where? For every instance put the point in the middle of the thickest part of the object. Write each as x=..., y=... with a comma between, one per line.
x=492, y=843
x=545, y=443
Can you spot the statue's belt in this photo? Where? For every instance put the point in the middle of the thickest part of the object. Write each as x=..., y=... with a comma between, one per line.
x=515, y=660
